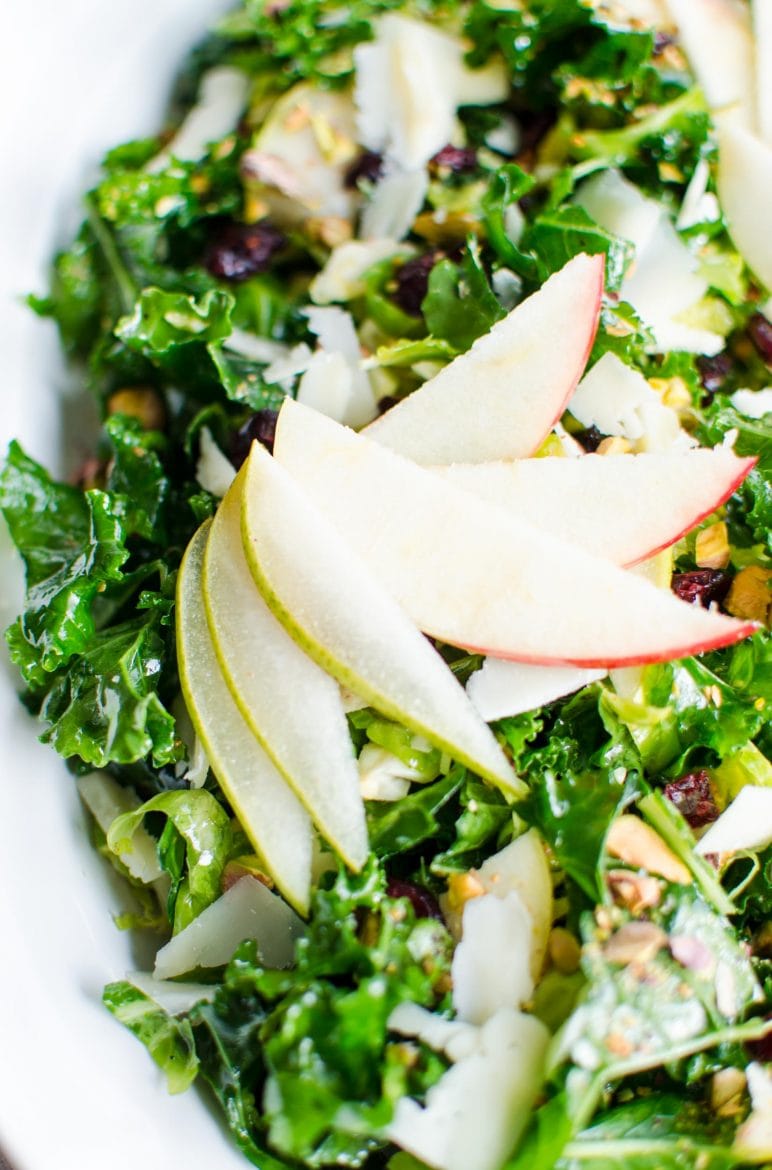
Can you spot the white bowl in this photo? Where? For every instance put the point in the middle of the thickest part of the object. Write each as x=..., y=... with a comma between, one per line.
x=77, y=1091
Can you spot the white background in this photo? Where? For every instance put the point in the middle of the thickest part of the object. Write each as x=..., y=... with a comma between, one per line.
x=77, y=1092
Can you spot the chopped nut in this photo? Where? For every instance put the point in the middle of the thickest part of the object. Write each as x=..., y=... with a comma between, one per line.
x=564, y=950
x=749, y=596
x=635, y=891
x=691, y=953
x=619, y=1045
x=452, y=227
x=635, y=942
x=673, y=391
x=614, y=445
x=726, y=1092
x=712, y=547
x=140, y=402
x=462, y=887
x=331, y=230
x=635, y=842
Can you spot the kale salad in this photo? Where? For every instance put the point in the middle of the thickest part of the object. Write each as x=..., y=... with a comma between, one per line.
x=406, y=630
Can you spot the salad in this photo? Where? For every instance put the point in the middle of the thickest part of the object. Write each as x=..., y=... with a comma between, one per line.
x=434, y=745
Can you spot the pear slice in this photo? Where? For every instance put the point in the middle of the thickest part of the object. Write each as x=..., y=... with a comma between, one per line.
x=292, y=706
x=473, y=575
x=623, y=508
x=501, y=398
x=338, y=611
x=270, y=813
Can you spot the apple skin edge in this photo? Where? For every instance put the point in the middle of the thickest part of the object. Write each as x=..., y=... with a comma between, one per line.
x=434, y=424
x=748, y=464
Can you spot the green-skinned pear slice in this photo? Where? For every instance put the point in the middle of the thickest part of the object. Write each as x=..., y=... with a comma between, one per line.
x=501, y=398
x=623, y=508
x=292, y=706
x=270, y=813
x=473, y=575
x=340, y=614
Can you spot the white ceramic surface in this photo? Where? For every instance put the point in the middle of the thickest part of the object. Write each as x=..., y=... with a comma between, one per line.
x=77, y=1092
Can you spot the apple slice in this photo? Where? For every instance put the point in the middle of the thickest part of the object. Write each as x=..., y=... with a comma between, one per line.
x=292, y=706
x=744, y=183
x=339, y=613
x=501, y=398
x=623, y=508
x=270, y=813
x=717, y=38
x=472, y=575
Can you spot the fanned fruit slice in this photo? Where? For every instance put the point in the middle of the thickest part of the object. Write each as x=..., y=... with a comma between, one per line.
x=473, y=575
x=623, y=508
x=292, y=706
x=340, y=614
x=501, y=398
x=271, y=815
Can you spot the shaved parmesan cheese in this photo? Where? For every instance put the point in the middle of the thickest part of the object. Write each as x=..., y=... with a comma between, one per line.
x=301, y=155
x=762, y=29
x=476, y=1112
x=248, y=910
x=745, y=824
x=409, y=83
x=214, y=471
x=284, y=370
x=395, y=202
x=222, y=96
x=339, y=387
x=106, y=799
x=453, y=1037
x=744, y=182
x=699, y=205
x=383, y=776
x=491, y=964
x=341, y=279
x=176, y=998
x=259, y=349
x=618, y=400
x=522, y=868
x=753, y=403
x=662, y=284
x=501, y=688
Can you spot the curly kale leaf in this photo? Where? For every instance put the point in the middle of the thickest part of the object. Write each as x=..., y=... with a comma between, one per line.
x=72, y=546
x=106, y=708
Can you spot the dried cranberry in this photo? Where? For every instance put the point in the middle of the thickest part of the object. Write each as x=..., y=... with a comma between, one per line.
x=261, y=426
x=534, y=124
x=455, y=158
x=702, y=586
x=760, y=333
x=692, y=795
x=423, y=902
x=240, y=250
x=590, y=438
x=714, y=371
x=762, y=1049
x=368, y=166
x=386, y=403
x=413, y=282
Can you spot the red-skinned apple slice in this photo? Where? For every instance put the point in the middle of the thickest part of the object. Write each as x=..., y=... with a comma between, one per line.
x=292, y=707
x=623, y=508
x=501, y=398
x=472, y=575
x=282, y=836
x=339, y=613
